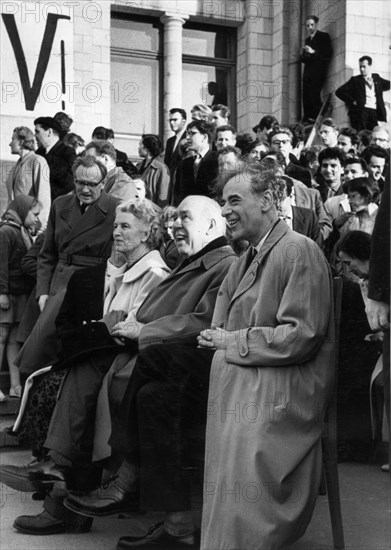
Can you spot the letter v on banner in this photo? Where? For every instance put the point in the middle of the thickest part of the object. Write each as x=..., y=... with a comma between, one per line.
x=31, y=93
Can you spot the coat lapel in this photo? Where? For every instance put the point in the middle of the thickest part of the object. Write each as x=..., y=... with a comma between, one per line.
x=247, y=278
x=79, y=223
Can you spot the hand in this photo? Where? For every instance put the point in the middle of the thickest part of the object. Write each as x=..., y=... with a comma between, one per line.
x=378, y=314
x=42, y=301
x=308, y=49
x=213, y=338
x=342, y=219
x=4, y=302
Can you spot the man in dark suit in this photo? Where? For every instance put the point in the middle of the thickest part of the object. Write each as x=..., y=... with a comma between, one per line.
x=122, y=161
x=173, y=154
x=363, y=95
x=316, y=56
x=196, y=174
x=302, y=220
x=59, y=157
x=280, y=140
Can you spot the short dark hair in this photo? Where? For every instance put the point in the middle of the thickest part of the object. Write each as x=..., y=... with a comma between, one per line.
x=267, y=122
x=356, y=160
x=225, y=111
x=73, y=140
x=230, y=149
x=313, y=17
x=100, y=132
x=153, y=143
x=365, y=58
x=226, y=128
x=309, y=155
x=280, y=159
x=331, y=153
x=350, y=133
x=374, y=151
x=87, y=162
x=365, y=137
x=363, y=186
x=65, y=122
x=103, y=147
x=329, y=122
x=244, y=140
x=280, y=130
x=205, y=128
x=47, y=122
x=298, y=133
x=182, y=112
x=356, y=244
x=109, y=133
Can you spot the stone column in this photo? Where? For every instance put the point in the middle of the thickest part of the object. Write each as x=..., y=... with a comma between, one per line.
x=172, y=84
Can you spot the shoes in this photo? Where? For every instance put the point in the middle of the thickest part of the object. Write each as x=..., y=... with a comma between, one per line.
x=15, y=392
x=158, y=538
x=17, y=477
x=46, y=524
x=385, y=468
x=38, y=475
x=109, y=499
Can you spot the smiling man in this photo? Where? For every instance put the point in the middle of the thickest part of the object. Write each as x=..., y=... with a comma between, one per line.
x=272, y=338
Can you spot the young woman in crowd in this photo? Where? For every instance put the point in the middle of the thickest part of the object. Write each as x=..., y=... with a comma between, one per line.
x=15, y=240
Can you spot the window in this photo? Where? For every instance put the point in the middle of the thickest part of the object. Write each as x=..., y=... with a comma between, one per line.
x=209, y=55
x=136, y=98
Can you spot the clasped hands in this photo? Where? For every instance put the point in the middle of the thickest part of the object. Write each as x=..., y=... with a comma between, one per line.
x=214, y=338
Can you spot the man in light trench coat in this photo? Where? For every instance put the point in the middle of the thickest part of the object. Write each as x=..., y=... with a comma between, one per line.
x=271, y=376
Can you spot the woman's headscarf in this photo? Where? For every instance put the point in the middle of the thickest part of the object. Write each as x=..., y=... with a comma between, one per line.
x=16, y=214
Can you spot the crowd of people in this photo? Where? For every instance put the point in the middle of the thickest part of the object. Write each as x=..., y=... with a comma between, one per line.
x=176, y=316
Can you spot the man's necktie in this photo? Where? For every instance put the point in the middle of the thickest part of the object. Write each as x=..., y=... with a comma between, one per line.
x=252, y=252
x=196, y=165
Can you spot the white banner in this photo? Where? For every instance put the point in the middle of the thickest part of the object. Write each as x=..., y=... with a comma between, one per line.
x=37, y=59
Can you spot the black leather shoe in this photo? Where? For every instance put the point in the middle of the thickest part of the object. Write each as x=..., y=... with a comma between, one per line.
x=18, y=477
x=42, y=524
x=108, y=500
x=46, y=524
x=157, y=538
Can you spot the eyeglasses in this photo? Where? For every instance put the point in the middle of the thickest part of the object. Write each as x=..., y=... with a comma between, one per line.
x=280, y=141
x=381, y=140
x=89, y=184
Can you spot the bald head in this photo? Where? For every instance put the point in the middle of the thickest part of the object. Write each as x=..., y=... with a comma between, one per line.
x=199, y=222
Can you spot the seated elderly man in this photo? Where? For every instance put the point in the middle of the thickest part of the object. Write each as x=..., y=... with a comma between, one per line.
x=174, y=312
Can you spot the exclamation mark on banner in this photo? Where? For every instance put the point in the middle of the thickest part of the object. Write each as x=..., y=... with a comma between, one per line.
x=63, y=89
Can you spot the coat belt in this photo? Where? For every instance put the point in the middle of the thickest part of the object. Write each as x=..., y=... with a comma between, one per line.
x=80, y=261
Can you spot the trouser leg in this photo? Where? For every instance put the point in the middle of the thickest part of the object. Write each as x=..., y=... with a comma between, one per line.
x=71, y=430
x=169, y=397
